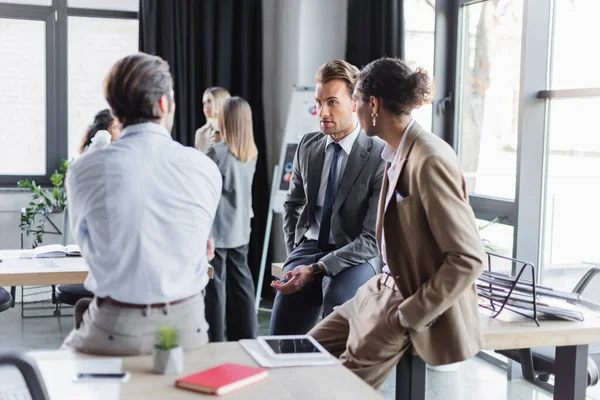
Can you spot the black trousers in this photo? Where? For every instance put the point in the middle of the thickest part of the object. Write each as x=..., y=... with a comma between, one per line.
x=230, y=297
x=297, y=313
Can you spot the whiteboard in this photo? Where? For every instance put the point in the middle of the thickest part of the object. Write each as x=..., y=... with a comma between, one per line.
x=301, y=119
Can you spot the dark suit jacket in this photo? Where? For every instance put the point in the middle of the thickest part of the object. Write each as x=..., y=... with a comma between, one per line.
x=355, y=208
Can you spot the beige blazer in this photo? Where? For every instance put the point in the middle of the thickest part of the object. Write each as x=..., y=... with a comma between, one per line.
x=433, y=249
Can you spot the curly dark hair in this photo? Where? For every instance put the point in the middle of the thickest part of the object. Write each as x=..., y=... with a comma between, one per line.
x=102, y=121
x=399, y=88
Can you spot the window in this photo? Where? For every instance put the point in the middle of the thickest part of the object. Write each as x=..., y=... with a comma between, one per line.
x=575, y=65
x=419, y=32
x=572, y=169
x=95, y=44
x=23, y=99
x=32, y=2
x=497, y=239
x=489, y=79
x=55, y=54
x=119, y=5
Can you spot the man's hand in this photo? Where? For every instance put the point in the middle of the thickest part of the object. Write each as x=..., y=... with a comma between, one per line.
x=296, y=280
x=210, y=249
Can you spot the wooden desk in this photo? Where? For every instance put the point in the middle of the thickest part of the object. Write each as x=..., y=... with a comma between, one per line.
x=570, y=338
x=26, y=272
x=332, y=382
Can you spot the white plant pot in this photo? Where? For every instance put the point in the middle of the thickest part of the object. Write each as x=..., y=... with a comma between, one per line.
x=168, y=362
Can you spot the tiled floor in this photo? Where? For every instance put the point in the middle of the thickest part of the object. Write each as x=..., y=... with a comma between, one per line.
x=474, y=380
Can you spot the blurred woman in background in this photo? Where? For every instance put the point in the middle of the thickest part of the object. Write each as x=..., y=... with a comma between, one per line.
x=212, y=101
x=102, y=131
x=230, y=294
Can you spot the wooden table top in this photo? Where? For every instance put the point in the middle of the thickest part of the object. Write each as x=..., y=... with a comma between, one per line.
x=511, y=331
x=282, y=383
x=15, y=271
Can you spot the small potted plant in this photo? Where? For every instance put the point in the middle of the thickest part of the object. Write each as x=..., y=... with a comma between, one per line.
x=168, y=355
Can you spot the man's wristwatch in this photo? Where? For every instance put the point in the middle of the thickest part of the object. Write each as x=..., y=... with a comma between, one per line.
x=316, y=269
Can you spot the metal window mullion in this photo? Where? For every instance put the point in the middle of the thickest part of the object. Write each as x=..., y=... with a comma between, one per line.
x=444, y=68
x=488, y=208
x=532, y=139
x=93, y=13
x=579, y=93
x=51, y=128
x=62, y=113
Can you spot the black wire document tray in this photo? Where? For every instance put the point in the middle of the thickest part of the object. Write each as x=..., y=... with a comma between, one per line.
x=498, y=292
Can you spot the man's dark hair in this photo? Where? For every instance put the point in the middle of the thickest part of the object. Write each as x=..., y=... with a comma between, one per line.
x=134, y=85
x=396, y=85
x=338, y=69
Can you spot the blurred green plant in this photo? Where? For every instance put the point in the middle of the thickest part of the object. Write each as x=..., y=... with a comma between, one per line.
x=167, y=338
x=489, y=247
x=43, y=202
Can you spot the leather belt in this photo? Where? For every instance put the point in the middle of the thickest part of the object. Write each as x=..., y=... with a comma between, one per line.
x=113, y=302
x=387, y=280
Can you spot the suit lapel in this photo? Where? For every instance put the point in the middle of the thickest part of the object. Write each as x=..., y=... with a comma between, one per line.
x=316, y=157
x=412, y=135
x=356, y=161
x=380, y=208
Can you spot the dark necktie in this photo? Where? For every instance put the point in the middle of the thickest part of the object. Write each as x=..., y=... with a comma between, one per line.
x=325, y=228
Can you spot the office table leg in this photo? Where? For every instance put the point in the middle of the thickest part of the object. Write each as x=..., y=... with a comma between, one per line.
x=571, y=378
x=411, y=374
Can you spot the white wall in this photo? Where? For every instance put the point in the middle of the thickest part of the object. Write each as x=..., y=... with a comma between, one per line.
x=298, y=36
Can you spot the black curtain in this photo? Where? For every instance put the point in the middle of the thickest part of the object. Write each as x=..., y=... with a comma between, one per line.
x=375, y=30
x=212, y=43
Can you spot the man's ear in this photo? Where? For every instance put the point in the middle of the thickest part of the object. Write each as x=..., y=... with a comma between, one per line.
x=353, y=105
x=163, y=104
x=374, y=105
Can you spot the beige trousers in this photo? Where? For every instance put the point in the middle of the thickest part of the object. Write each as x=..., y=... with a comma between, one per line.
x=113, y=330
x=365, y=332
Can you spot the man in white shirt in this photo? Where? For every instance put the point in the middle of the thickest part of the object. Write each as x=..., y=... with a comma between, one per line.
x=141, y=210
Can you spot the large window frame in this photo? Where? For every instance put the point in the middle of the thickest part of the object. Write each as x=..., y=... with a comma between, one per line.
x=526, y=212
x=57, y=126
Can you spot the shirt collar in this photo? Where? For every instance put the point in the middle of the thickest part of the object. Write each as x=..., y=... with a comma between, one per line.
x=152, y=127
x=389, y=154
x=347, y=142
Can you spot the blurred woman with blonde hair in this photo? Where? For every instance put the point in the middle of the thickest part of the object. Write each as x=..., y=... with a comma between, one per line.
x=230, y=294
x=212, y=101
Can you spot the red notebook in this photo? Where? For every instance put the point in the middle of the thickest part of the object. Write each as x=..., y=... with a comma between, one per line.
x=222, y=379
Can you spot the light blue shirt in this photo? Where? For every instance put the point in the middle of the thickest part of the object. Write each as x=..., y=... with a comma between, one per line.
x=141, y=210
x=346, y=144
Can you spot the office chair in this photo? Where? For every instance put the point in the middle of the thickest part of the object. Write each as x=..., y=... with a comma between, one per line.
x=30, y=373
x=5, y=299
x=68, y=294
x=538, y=363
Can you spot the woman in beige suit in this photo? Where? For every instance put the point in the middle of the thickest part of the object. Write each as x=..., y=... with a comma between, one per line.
x=212, y=101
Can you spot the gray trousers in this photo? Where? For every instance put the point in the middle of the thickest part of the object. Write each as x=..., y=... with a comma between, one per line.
x=111, y=330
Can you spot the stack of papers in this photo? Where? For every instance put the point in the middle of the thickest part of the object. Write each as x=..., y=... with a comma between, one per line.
x=496, y=289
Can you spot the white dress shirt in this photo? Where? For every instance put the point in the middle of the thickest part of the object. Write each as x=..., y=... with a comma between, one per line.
x=141, y=210
x=346, y=144
x=393, y=157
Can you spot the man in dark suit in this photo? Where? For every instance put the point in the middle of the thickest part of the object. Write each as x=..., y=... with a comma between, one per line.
x=330, y=209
